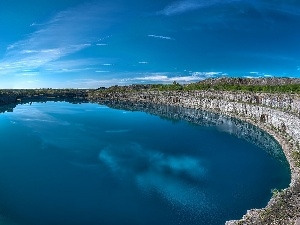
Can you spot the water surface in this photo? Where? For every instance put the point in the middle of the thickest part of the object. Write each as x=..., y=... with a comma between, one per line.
x=75, y=164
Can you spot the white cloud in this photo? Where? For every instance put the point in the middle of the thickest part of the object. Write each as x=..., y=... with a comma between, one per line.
x=102, y=71
x=143, y=62
x=29, y=51
x=106, y=37
x=153, y=78
x=162, y=173
x=89, y=83
x=160, y=37
x=127, y=78
x=286, y=7
x=259, y=74
x=206, y=74
x=168, y=78
x=67, y=32
x=26, y=74
x=38, y=24
x=183, y=6
x=67, y=66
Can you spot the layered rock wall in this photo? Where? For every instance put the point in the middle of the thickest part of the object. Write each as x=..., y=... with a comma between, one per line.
x=278, y=114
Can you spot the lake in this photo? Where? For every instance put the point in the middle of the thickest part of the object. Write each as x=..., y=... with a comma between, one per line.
x=74, y=164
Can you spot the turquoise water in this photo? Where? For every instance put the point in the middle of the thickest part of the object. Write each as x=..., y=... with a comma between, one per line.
x=75, y=164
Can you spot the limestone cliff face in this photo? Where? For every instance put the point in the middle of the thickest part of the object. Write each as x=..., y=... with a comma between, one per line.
x=223, y=123
x=278, y=114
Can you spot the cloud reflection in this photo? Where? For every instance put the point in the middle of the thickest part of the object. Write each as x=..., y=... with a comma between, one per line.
x=175, y=177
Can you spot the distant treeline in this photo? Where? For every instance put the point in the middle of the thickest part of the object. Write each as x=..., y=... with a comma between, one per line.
x=269, y=85
x=42, y=91
x=285, y=88
x=9, y=96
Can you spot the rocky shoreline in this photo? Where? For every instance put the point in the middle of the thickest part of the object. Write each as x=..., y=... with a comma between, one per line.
x=18, y=96
x=277, y=114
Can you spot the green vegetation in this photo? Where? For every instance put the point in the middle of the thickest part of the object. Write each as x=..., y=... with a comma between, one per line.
x=275, y=192
x=288, y=88
x=167, y=87
x=279, y=85
x=42, y=92
x=9, y=96
x=268, y=85
x=296, y=157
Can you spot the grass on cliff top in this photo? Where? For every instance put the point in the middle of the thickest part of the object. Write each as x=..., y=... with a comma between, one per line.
x=286, y=88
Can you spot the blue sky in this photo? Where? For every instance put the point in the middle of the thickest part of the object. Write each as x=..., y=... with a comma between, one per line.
x=88, y=44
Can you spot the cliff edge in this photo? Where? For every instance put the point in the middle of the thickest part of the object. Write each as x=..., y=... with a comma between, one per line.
x=276, y=113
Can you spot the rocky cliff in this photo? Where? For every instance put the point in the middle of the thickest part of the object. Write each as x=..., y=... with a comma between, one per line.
x=278, y=114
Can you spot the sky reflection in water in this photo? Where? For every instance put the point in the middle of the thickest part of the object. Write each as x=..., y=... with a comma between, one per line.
x=89, y=164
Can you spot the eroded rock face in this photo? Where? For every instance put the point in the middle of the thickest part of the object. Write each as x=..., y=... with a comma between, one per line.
x=278, y=114
x=224, y=123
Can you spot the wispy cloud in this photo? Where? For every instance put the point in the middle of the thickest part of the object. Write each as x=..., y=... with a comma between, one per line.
x=39, y=24
x=160, y=37
x=163, y=173
x=67, y=32
x=168, y=77
x=102, y=71
x=259, y=75
x=286, y=7
x=75, y=65
x=290, y=8
x=183, y=6
x=127, y=78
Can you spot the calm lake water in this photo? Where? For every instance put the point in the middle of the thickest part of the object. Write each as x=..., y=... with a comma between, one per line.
x=76, y=164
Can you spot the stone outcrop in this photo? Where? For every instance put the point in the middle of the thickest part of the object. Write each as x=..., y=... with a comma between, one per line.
x=278, y=114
